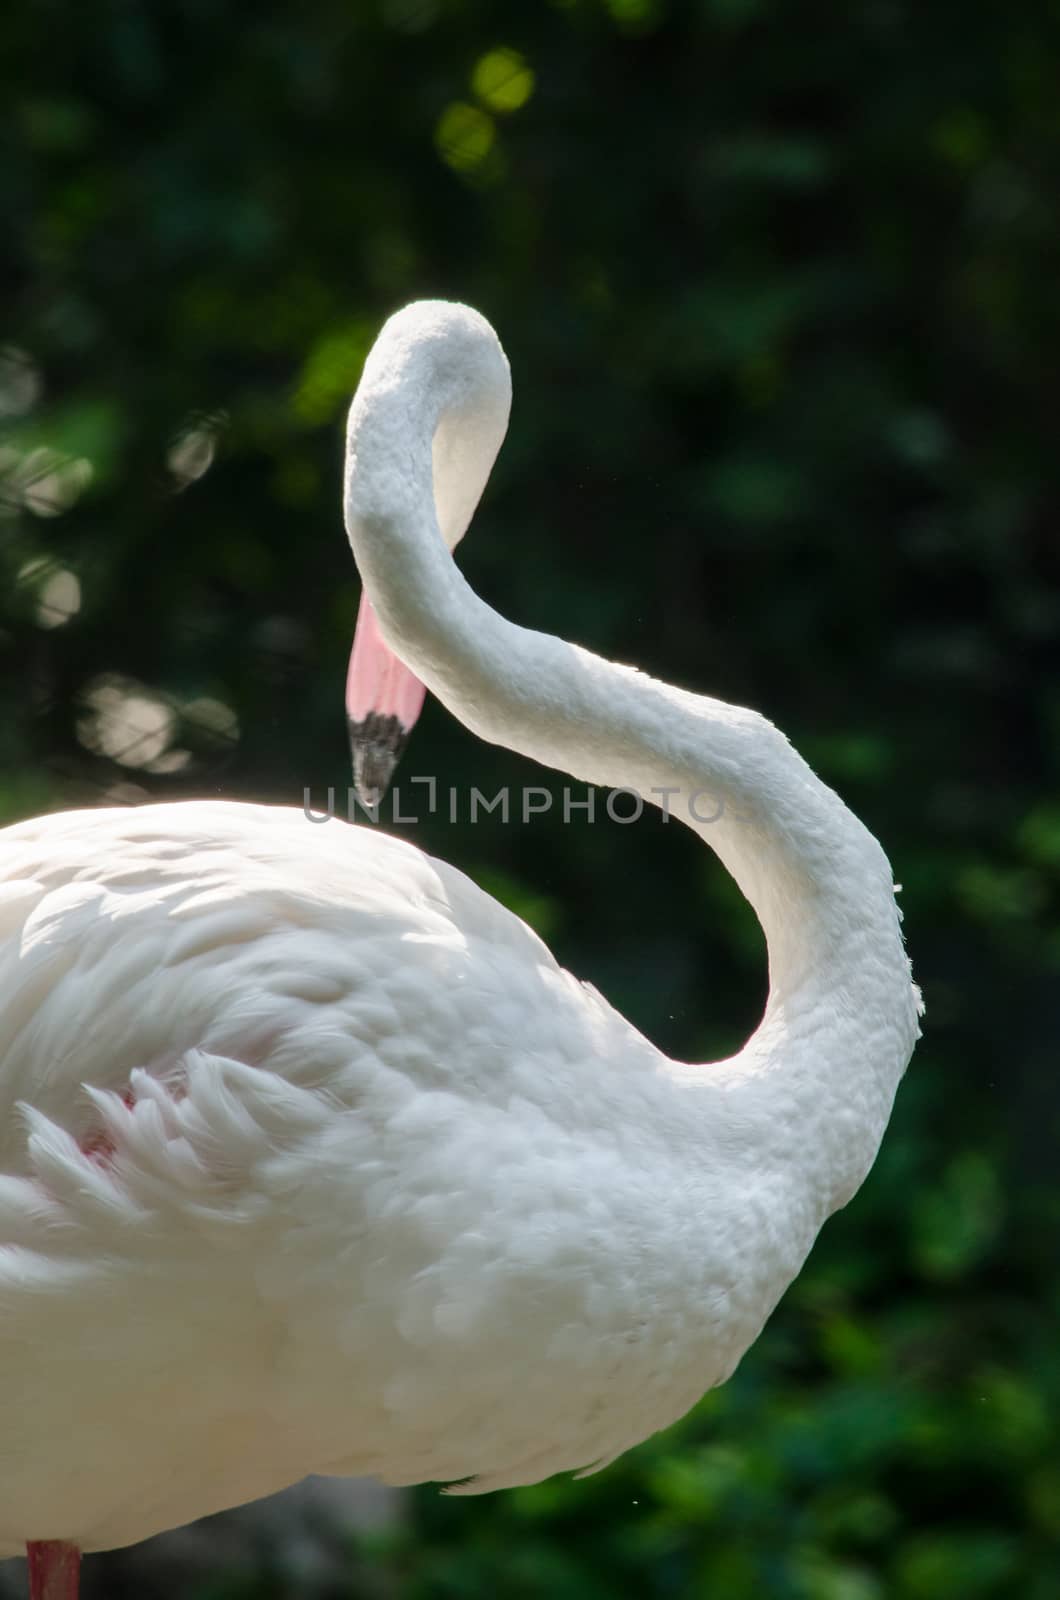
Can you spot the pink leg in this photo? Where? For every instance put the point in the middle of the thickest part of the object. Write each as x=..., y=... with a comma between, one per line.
x=54, y=1566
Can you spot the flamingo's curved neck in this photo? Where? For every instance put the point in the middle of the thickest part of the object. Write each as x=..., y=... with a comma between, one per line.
x=424, y=429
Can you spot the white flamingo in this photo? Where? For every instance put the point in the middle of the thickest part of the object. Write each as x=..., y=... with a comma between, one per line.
x=314, y=1160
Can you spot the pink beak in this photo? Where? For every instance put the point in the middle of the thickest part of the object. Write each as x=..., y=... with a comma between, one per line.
x=383, y=700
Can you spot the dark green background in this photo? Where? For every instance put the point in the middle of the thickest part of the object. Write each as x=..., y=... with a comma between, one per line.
x=779, y=285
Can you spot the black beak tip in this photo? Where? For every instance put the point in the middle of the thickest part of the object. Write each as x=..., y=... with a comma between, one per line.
x=376, y=746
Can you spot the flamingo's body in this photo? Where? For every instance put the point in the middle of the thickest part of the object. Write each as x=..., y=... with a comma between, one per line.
x=359, y=1179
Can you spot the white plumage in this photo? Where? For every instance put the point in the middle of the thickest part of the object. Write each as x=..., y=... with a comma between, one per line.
x=314, y=1160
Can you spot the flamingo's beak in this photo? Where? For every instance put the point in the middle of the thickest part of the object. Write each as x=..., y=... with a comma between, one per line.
x=383, y=700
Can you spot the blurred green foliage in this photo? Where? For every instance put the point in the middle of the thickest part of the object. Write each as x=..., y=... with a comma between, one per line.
x=779, y=290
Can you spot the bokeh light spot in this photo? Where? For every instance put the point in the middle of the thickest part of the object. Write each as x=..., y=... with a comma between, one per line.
x=20, y=382
x=635, y=16
x=125, y=721
x=193, y=449
x=464, y=136
x=48, y=483
x=331, y=372
x=213, y=718
x=58, y=591
x=503, y=80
